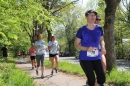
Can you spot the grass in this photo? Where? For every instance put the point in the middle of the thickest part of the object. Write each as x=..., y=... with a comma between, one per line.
x=118, y=78
x=115, y=77
x=67, y=67
x=11, y=76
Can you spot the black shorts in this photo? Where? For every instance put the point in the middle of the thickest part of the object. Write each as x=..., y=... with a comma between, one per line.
x=52, y=55
x=32, y=57
x=5, y=55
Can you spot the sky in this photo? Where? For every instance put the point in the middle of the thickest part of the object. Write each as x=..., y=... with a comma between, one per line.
x=92, y=4
x=83, y=2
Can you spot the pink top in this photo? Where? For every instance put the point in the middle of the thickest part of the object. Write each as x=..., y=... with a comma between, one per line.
x=32, y=52
x=18, y=53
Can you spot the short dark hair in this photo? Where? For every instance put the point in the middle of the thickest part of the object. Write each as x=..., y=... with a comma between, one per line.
x=38, y=34
x=98, y=17
x=51, y=37
x=90, y=11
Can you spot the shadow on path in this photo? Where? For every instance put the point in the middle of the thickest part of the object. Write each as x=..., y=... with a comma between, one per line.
x=45, y=77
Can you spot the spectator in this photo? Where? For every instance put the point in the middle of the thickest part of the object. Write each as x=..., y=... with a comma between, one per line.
x=5, y=52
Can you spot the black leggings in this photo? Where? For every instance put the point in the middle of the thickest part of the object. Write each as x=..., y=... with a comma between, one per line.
x=89, y=67
x=40, y=58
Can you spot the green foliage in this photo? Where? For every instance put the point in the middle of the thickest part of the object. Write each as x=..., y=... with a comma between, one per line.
x=13, y=36
x=3, y=38
x=18, y=79
x=122, y=32
x=72, y=20
x=118, y=78
x=121, y=27
x=20, y=16
x=11, y=76
x=100, y=10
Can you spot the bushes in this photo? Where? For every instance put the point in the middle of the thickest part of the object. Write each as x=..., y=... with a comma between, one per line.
x=11, y=76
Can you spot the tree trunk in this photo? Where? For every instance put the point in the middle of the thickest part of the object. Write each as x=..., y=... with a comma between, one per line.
x=69, y=45
x=49, y=32
x=38, y=29
x=110, y=10
x=33, y=36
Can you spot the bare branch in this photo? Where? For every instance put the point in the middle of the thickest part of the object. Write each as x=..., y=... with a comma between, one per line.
x=123, y=10
x=53, y=3
x=125, y=4
x=64, y=6
x=27, y=31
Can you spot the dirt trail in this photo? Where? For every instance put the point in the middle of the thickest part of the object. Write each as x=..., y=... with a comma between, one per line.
x=59, y=79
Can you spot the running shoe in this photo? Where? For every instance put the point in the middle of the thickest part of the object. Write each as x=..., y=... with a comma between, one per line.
x=32, y=68
x=52, y=72
x=35, y=66
x=102, y=85
x=87, y=83
x=56, y=70
x=42, y=76
x=36, y=72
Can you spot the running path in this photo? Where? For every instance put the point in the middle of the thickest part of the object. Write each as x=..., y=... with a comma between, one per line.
x=59, y=79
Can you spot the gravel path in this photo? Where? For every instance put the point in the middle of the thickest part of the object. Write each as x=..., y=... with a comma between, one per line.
x=59, y=79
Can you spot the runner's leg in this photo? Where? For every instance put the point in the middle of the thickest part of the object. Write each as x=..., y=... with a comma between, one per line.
x=42, y=65
x=38, y=63
x=104, y=62
x=57, y=62
x=87, y=67
x=98, y=68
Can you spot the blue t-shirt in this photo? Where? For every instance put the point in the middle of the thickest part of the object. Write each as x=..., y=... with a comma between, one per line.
x=54, y=49
x=90, y=38
x=40, y=47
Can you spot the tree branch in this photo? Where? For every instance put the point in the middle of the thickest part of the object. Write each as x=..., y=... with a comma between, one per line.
x=123, y=10
x=125, y=4
x=27, y=31
x=53, y=3
x=64, y=6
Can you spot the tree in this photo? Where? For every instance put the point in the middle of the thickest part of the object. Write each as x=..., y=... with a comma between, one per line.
x=72, y=19
x=20, y=15
x=110, y=10
x=54, y=7
x=72, y=22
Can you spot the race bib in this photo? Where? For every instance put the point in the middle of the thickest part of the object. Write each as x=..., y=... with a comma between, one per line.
x=40, y=50
x=53, y=50
x=94, y=53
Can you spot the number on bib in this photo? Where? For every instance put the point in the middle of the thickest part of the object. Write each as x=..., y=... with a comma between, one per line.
x=94, y=53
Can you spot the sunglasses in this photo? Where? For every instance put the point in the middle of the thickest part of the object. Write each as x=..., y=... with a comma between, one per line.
x=98, y=19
